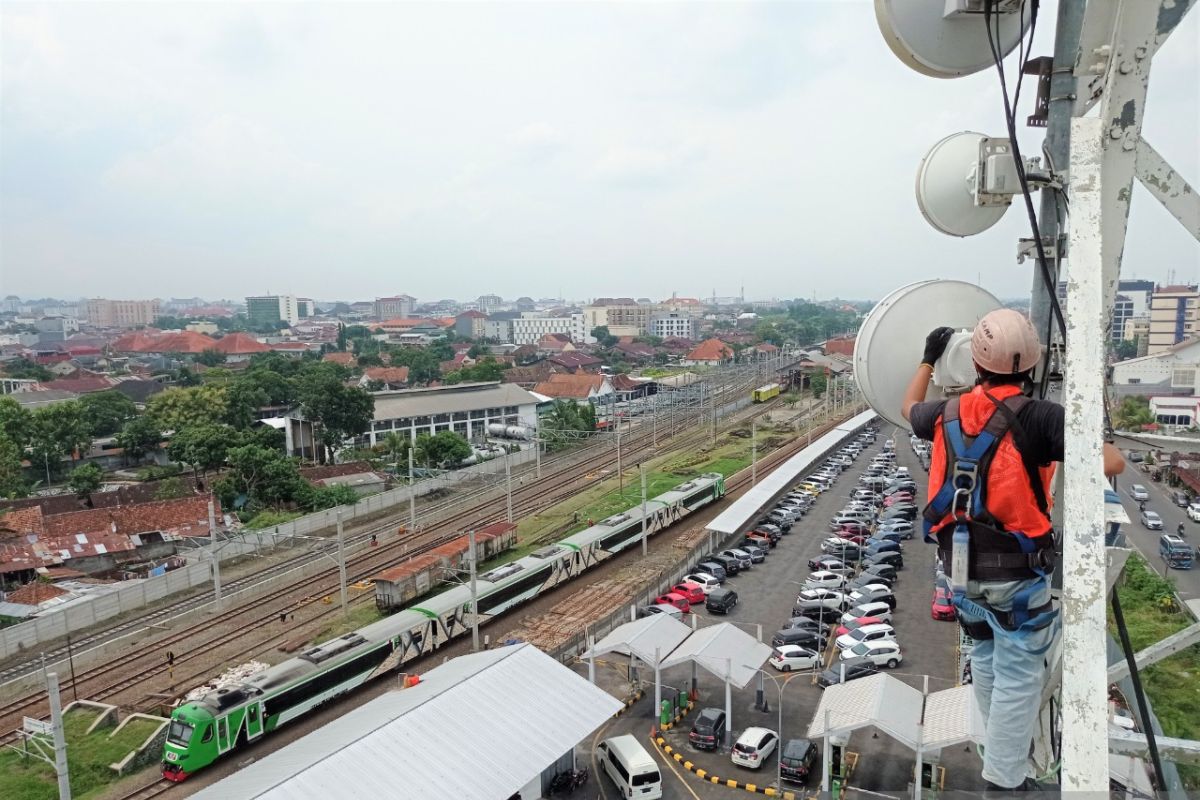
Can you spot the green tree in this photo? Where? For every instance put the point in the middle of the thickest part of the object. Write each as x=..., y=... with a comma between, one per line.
x=565, y=420
x=602, y=335
x=341, y=338
x=12, y=477
x=171, y=489
x=423, y=365
x=817, y=382
x=211, y=358
x=340, y=411
x=139, y=436
x=176, y=409
x=24, y=368
x=58, y=431
x=203, y=447
x=444, y=450
x=489, y=369
x=1125, y=349
x=1132, y=414
x=265, y=477
x=85, y=479
x=317, y=498
x=185, y=377
x=397, y=447
x=106, y=412
x=15, y=422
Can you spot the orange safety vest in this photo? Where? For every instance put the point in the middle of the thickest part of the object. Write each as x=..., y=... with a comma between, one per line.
x=1008, y=494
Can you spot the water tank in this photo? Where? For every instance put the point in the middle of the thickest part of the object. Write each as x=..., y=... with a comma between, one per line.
x=517, y=432
x=497, y=429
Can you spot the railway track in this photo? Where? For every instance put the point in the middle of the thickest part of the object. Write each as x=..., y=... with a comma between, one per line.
x=147, y=791
x=135, y=667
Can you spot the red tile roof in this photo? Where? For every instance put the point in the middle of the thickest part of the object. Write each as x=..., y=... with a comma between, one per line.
x=711, y=350
x=574, y=360
x=80, y=385
x=472, y=314
x=345, y=359
x=386, y=374
x=575, y=387
x=146, y=341
x=187, y=516
x=239, y=344
x=23, y=521
x=36, y=593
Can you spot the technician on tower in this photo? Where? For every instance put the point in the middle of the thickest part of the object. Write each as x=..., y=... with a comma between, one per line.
x=993, y=457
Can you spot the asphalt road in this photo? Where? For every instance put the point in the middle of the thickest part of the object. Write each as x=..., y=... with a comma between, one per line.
x=766, y=595
x=1187, y=582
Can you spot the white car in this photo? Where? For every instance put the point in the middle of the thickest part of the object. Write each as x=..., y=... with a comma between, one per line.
x=867, y=633
x=863, y=593
x=883, y=653
x=754, y=747
x=824, y=579
x=825, y=597
x=706, y=582
x=1193, y=512
x=1138, y=492
x=788, y=657
x=879, y=610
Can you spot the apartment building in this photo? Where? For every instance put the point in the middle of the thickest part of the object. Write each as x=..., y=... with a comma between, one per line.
x=401, y=306
x=103, y=313
x=1174, y=311
x=268, y=309
x=666, y=326
x=530, y=328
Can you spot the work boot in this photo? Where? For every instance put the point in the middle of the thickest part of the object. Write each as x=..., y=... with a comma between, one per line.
x=991, y=790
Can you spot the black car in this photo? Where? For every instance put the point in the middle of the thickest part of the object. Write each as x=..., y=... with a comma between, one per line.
x=731, y=565
x=809, y=639
x=809, y=624
x=908, y=513
x=816, y=611
x=883, y=546
x=881, y=596
x=796, y=760
x=714, y=569
x=773, y=531
x=721, y=601
x=851, y=667
x=708, y=731
x=892, y=559
x=882, y=571
x=868, y=578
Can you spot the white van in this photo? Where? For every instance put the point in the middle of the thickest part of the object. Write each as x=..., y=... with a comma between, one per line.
x=632, y=769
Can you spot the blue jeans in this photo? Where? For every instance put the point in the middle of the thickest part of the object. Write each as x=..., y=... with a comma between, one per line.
x=1008, y=673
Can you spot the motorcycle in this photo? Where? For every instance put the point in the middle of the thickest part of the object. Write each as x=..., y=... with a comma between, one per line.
x=569, y=781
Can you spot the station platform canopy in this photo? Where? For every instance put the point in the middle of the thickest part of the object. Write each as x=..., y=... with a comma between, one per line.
x=727, y=652
x=891, y=705
x=516, y=707
x=650, y=639
x=745, y=508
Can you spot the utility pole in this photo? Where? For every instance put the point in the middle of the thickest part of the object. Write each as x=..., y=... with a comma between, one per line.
x=620, y=474
x=642, y=473
x=60, y=737
x=474, y=596
x=754, y=451
x=412, y=493
x=341, y=557
x=507, y=487
x=537, y=454
x=216, y=560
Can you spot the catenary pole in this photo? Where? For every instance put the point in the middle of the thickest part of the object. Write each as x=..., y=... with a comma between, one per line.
x=642, y=474
x=412, y=492
x=474, y=595
x=216, y=560
x=341, y=559
x=60, y=737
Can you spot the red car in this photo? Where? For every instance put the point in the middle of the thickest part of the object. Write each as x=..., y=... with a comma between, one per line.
x=673, y=599
x=858, y=537
x=854, y=527
x=898, y=497
x=857, y=623
x=692, y=592
x=943, y=605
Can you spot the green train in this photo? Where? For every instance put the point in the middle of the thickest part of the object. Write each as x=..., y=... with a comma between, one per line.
x=225, y=719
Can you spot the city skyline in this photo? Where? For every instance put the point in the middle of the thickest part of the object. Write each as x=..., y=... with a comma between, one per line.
x=524, y=149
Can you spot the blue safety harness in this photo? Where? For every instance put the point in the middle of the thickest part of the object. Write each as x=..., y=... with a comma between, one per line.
x=975, y=547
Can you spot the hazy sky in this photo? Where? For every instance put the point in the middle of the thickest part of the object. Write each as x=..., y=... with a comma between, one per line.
x=453, y=149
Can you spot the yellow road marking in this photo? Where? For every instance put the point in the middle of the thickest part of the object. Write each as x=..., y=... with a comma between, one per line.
x=675, y=772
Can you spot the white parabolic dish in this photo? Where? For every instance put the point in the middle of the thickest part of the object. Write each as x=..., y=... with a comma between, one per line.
x=921, y=36
x=945, y=190
x=892, y=337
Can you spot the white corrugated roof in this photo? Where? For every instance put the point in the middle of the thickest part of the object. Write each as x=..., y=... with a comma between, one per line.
x=890, y=704
x=749, y=505
x=515, y=709
x=725, y=651
x=649, y=638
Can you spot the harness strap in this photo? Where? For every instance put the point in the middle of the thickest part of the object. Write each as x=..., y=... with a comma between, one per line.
x=1021, y=621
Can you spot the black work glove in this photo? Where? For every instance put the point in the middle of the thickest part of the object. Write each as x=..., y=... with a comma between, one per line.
x=935, y=344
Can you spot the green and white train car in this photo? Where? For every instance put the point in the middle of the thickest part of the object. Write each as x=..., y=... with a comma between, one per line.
x=206, y=729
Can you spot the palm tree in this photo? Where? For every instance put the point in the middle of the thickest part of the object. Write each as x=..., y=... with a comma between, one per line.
x=397, y=446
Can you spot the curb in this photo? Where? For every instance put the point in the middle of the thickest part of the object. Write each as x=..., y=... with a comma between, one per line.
x=705, y=775
x=638, y=695
x=679, y=715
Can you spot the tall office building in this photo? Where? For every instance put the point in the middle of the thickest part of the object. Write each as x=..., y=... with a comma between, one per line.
x=121, y=313
x=1173, y=316
x=269, y=309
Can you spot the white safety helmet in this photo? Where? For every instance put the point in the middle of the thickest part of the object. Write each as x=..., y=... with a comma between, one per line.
x=1005, y=343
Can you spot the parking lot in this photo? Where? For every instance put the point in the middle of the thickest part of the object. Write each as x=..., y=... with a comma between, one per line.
x=766, y=595
x=1187, y=582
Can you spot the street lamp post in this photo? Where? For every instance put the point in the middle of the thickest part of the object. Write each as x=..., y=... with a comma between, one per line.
x=779, y=726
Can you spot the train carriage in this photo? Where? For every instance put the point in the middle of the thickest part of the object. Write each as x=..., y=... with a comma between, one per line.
x=764, y=393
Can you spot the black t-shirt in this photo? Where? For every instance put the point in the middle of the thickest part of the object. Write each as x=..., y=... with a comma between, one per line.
x=1042, y=421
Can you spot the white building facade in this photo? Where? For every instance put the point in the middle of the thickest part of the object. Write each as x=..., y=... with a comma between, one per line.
x=465, y=409
x=529, y=328
x=666, y=326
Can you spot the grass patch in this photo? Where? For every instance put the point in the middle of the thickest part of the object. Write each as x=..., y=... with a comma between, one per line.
x=88, y=759
x=269, y=519
x=1173, y=684
x=356, y=618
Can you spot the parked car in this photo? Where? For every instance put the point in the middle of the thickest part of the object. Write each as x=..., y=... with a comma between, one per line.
x=817, y=611
x=757, y=554
x=704, y=580
x=1151, y=520
x=867, y=579
x=670, y=611
x=790, y=657
x=1138, y=492
x=876, y=609
x=883, y=571
x=900, y=526
x=1180, y=498
x=882, y=546
x=887, y=535
x=809, y=624
x=828, y=597
x=772, y=532
x=809, y=640
x=844, y=549
x=721, y=601
x=942, y=606
x=796, y=760
x=714, y=568
x=759, y=540
x=692, y=592
x=822, y=579
x=868, y=633
x=732, y=565
x=754, y=747
x=708, y=731
x=902, y=511
x=851, y=669
x=881, y=653
x=856, y=623
x=830, y=564
x=673, y=599
x=873, y=592
x=894, y=559
x=1193, y=512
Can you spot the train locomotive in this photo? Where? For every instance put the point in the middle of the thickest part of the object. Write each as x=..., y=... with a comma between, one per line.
x=208, y=728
